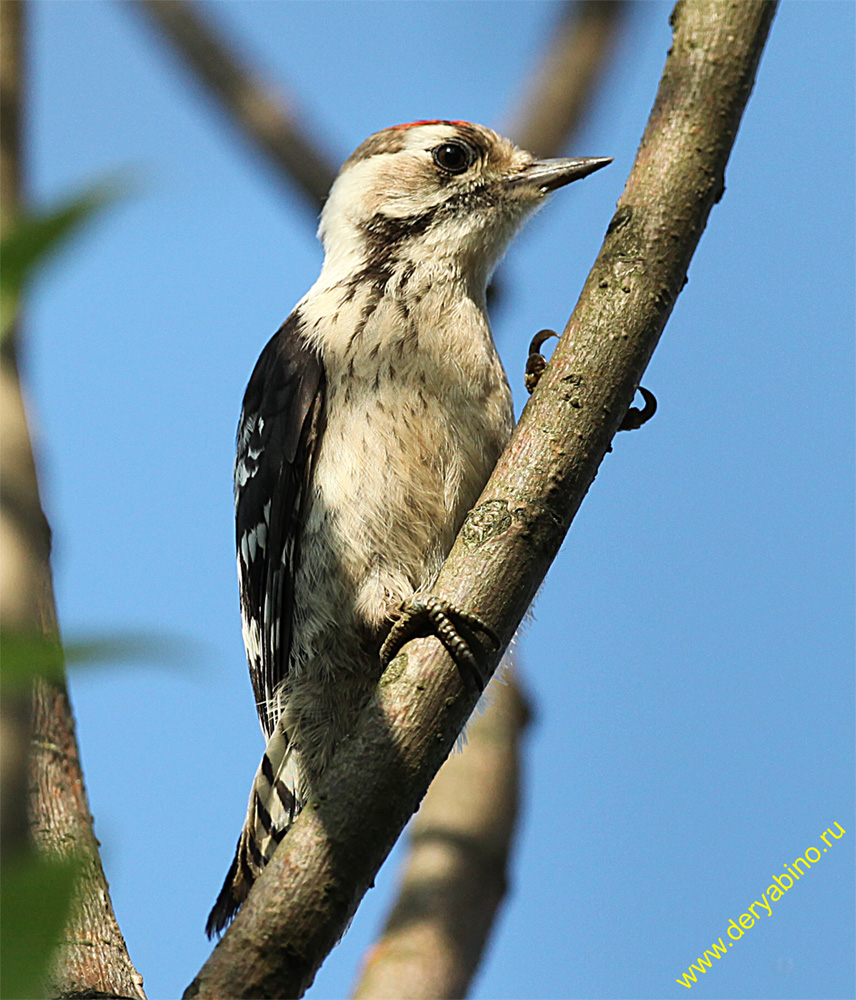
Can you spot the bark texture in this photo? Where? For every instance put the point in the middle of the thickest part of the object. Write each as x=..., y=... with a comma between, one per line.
x=92, y=958
x=303, y=901
x=92, y=955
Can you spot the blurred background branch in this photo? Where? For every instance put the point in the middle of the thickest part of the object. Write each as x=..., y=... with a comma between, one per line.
x=265, y=118
x=50, y=857
x=24, y=535
x=456, y=873
x=562, y=85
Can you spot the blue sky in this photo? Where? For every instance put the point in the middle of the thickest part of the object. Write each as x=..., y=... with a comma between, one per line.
x=691, y=661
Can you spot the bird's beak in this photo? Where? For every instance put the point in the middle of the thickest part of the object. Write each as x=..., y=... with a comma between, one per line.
x=547, y=175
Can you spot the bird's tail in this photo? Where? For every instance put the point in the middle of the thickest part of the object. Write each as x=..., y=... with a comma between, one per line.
x=271, y=811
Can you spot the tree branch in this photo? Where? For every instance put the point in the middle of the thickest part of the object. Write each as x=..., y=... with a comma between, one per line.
x=560, y=90
x=92, y=955
x=304, y=899
x=21, y=584
x=260, y=114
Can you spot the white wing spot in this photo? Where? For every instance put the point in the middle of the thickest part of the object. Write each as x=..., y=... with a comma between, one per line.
x=242, y=474
x=260, y=531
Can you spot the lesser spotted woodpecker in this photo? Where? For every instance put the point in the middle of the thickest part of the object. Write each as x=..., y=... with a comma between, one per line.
x=370, y=425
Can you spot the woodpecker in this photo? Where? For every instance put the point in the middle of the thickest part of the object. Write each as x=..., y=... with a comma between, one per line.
x=369, y=427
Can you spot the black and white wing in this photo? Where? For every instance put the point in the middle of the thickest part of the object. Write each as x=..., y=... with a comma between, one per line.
x=278, y=437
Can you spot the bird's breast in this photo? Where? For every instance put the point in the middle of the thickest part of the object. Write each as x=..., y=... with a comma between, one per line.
x=410, y=440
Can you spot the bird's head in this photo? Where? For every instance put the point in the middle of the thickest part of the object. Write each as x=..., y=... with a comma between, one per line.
x=437, y=191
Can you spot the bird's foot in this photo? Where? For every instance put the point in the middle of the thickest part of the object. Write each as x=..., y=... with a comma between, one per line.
x=429, y=615
x=634, y=418
x=536, y=362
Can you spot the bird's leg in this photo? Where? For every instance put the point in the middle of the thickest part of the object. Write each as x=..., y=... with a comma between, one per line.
x=428, y=615
x=536, y=362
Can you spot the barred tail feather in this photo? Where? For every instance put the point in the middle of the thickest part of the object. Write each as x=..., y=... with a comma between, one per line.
x=270, y=812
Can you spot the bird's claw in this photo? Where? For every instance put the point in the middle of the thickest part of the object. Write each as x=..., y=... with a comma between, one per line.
x=536, y=362
x=634, y=418
x=429, y=615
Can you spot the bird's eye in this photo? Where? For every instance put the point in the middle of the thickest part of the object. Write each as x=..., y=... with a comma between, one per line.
x=454, y=157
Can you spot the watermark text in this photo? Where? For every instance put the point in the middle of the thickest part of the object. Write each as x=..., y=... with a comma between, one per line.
x=775, y=891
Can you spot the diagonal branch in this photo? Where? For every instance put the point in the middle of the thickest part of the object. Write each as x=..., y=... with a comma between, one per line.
x=262, y=116
x=312, y=887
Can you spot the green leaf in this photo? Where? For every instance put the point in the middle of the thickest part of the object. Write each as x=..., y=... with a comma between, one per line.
x=37, y=235
x=127, y=646
x=35, y=897
x=26, y=656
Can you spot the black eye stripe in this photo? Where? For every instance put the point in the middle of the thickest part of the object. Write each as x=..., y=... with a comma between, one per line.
x=454, y=156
